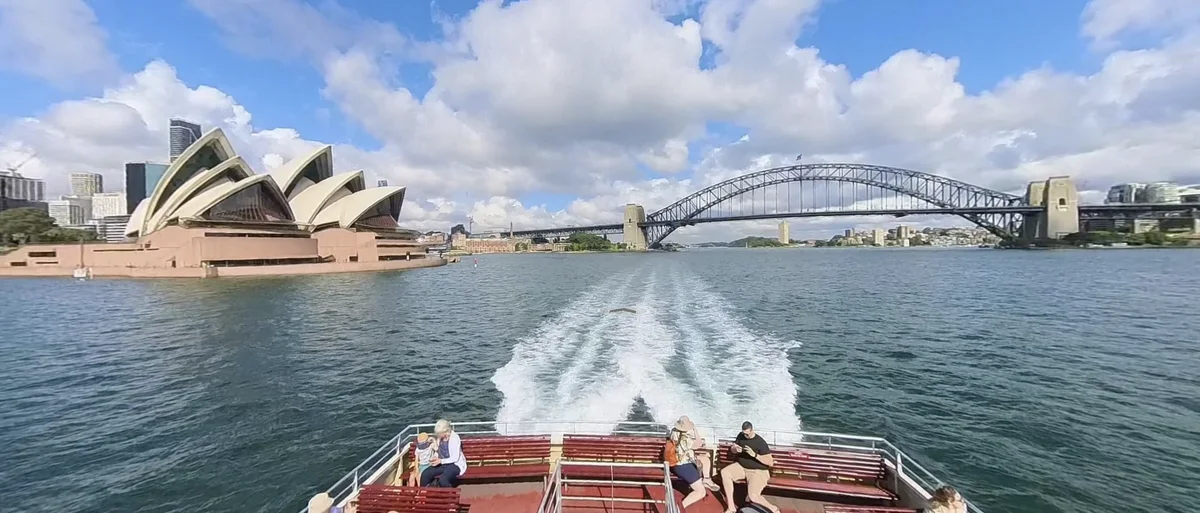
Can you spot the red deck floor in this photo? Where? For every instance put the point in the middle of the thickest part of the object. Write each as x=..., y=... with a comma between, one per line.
x=525, y=498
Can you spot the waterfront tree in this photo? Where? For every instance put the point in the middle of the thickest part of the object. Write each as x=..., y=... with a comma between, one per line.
x=589, y=242
x=23, y=225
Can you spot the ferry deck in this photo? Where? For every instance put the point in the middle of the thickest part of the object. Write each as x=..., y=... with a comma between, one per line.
x=555, y=467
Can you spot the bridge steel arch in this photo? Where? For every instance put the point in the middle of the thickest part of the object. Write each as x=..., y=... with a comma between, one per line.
x=936, y=190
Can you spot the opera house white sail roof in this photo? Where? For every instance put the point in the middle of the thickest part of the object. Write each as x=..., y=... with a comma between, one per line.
x=209, y=182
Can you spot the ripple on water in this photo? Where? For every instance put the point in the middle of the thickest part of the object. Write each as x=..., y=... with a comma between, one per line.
x=1034, y=381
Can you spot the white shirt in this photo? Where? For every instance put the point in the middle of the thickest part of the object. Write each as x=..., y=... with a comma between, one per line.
x=456, y=456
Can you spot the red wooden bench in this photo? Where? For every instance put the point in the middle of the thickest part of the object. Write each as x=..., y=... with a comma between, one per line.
x=827, y=472
x=506, y=457
x=613, y=449
x=843, y=508
x=501, y=457
x=383, y=499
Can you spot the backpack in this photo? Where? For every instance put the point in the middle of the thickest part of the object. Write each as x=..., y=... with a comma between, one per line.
x=669, y=454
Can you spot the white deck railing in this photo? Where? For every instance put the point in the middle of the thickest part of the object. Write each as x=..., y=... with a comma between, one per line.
x=553, y=497
x=387, y=457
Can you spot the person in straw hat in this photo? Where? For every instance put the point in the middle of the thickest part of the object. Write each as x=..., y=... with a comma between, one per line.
x=426, y=449
x=699, y=453
x=681, y=458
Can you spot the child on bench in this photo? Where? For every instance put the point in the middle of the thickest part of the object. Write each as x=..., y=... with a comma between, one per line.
x=426, y=449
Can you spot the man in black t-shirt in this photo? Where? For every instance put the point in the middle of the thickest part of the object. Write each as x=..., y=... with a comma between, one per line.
x=753, y=465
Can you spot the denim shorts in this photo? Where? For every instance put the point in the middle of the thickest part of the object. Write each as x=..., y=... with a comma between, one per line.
x=687, y=472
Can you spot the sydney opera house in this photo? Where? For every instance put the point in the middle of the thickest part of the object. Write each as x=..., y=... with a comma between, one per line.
x=210, y=215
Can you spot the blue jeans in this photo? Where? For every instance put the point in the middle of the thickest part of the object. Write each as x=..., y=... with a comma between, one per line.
x=446, y=475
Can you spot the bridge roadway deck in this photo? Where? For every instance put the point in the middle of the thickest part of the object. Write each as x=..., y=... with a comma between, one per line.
x=1084, y=210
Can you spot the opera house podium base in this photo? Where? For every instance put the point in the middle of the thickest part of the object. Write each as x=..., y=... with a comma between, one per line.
x=220, y=251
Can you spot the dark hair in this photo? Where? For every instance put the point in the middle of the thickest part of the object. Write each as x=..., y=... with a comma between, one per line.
x=747, y=425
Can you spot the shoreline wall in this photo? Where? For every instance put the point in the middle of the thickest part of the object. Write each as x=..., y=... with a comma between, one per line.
x=217, y=272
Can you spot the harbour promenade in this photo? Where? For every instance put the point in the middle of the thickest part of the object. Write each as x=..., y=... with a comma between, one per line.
x=224, y=272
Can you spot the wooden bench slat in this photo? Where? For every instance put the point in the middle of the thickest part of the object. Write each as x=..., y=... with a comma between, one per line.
x=843, y=508
x=382, y=499
x=822, y=471
x=848, y=489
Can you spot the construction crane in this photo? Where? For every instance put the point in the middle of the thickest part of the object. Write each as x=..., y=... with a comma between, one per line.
x=13, y=169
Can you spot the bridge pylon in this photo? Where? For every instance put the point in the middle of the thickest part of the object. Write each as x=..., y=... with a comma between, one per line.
x=634, y=234
x=1060, y=199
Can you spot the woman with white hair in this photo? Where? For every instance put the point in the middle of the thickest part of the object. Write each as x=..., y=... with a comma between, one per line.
x=450, y=463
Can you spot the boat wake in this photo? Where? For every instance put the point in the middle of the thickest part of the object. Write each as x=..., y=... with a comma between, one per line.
x=677, y=346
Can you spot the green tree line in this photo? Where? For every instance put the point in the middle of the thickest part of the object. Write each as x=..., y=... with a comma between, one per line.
x=28, y=225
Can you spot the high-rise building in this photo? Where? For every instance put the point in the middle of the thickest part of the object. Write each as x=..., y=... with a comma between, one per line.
x=903, y=232
x=86, y=184
x=140, y=180
x=107, y=204
x=111, y=229
x=785, y=236
x=16, y=187
x=879, y=237
x=67, y=211
x=849, y=233
x=183, y=134
x=381, y=183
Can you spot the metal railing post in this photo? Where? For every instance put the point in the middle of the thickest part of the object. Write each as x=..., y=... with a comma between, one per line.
x=355, y=480
x=899, y=469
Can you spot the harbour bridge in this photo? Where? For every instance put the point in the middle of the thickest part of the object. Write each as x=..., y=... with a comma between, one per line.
x=1049, y=209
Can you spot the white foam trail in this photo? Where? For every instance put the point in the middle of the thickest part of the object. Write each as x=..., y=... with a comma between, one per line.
x=683, y=351
x=736, y=373
x=564, y=372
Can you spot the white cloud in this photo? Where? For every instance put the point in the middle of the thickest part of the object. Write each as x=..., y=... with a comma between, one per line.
x=58, y=40
x=581, y=97
x=1105, y=20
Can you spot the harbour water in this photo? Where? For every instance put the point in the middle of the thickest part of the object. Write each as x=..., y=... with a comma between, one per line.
x=1035, y=381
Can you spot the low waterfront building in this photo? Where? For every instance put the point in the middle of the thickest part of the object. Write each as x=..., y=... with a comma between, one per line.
x=210, y=215
x=111, y=229
x=878, y=237
x=1189, y=194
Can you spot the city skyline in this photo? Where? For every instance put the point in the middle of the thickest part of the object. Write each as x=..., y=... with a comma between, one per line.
x=933, y=101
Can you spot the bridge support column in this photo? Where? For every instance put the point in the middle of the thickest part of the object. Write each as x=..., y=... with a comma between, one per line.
x=1060, y=217
x=634, y=235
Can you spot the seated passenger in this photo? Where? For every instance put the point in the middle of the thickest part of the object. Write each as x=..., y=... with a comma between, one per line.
x=753, y=465
x=426, y=449
x=946, y=500
x=678, y=455
x=701, y=456
x=449, y=464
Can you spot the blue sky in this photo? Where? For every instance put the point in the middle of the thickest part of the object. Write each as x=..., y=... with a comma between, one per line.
x=1094, y=111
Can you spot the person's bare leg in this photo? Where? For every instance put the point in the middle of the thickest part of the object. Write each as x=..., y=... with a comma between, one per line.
x=756, y=481
x=696, y=495
x=706, y=471
x=728, y=475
